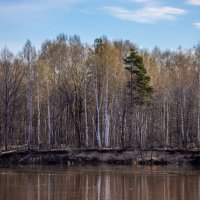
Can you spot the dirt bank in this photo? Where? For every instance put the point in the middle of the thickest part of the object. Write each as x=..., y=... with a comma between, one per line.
x=112, y=156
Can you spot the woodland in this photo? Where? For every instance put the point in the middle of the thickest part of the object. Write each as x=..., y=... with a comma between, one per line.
x=111, y=94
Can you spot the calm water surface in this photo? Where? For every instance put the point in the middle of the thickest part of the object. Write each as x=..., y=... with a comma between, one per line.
x=101, y=182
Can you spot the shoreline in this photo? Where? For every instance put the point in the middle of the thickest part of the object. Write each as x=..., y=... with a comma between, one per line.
x=94, y=156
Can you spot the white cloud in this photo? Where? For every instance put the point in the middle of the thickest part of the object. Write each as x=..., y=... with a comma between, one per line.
x=35, y=5
x=144, y=1
x=146, y=15
x=193, y=2
x=197, y=25
x=14, y=11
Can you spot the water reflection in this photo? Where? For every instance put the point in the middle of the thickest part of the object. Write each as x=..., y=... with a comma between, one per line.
x=99, y=183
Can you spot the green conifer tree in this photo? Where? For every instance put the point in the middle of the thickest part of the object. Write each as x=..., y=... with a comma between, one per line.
x=139, y=86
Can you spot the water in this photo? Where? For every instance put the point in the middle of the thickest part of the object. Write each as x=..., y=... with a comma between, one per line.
x=103, y=182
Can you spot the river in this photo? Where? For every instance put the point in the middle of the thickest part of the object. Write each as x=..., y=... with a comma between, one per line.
x=102, y=182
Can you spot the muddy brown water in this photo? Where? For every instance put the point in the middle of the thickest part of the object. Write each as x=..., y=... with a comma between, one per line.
x=102, y=182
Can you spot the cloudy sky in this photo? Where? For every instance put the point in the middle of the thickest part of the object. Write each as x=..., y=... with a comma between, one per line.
x=167, y=24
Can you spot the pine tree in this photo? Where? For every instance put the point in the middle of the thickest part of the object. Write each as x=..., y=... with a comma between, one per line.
x=139, y=86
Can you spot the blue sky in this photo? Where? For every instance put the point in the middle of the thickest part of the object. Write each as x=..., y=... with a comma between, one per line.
x=167, y=24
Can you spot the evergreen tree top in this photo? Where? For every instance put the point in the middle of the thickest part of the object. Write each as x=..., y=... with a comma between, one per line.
x=142, y=89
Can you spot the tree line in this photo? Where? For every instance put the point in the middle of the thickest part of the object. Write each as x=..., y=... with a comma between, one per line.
x=106, y=95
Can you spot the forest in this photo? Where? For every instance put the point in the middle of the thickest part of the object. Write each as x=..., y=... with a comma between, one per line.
x=111, y=94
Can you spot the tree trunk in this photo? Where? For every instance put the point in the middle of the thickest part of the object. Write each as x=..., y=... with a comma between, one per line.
x=30, y=105
x=38, y=121
x=198, y=132
x=86, y=116
x=49, y=115
x=123, y=127
x=6, y=107
x=107, y=135
x=182, y=120
x=98, y=116
x=167, y=124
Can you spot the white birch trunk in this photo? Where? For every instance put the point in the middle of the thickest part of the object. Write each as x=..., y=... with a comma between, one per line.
x=142, y=129
x=6, y=107
x=38, y=122
x=30, y=106
x=164, y=112
x=198, y=124
x=182, y=117
x=98, y=115
x=29, y=55
x=187, y=131
x=138, y=127
x=167, y=123
x=199, y=114
x=182, y=126
x=107, y=142
x=146, y=127
x=48, y=113
x=86, y=116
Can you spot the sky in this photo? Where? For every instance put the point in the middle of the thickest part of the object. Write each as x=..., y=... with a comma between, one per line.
x=167, y=24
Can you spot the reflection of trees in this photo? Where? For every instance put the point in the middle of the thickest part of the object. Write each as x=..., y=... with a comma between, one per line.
x=90, y=183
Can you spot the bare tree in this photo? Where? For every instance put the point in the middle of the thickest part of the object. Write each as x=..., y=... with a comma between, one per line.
x=11, y=78
x=29, y=55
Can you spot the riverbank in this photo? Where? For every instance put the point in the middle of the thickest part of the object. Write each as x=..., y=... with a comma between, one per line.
x=93, y=156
